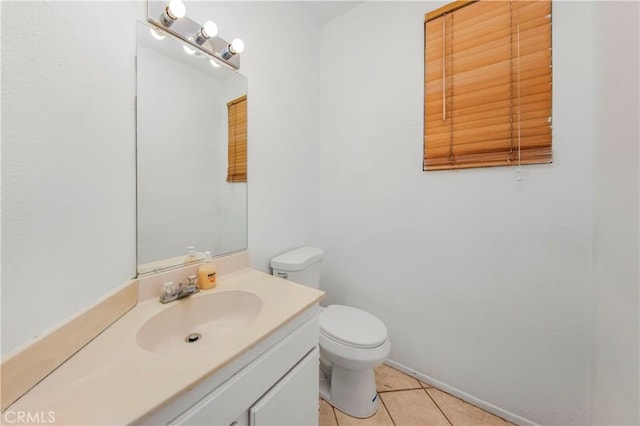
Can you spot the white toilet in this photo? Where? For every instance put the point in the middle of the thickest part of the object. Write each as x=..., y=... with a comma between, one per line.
x=352, y=342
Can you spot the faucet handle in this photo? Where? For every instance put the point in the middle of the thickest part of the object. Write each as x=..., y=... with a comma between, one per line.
x=193, y=281
x=167, y=288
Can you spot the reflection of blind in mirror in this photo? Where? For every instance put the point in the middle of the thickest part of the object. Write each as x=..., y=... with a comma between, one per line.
x=237, y=152
x=183, y=195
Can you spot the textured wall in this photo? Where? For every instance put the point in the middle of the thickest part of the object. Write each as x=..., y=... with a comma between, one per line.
x=68, y=159
x=615, y=396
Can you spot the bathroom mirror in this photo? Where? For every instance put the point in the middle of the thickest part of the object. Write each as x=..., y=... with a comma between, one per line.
x=187, y=118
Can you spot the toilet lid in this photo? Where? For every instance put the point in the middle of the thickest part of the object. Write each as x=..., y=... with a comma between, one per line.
x=352, y=327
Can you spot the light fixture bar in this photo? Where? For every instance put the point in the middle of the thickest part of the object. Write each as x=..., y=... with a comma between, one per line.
x=202, y=37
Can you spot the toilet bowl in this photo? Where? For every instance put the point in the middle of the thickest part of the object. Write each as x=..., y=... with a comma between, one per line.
x=352, y=341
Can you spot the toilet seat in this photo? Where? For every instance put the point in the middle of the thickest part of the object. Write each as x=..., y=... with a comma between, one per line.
x=352, y=327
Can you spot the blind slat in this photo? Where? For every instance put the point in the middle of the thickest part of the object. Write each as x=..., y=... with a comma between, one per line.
x=542, y=99
x=504, y=152
x=482, y=12
x=495, y=94
x=531, y=131
x=489, y=110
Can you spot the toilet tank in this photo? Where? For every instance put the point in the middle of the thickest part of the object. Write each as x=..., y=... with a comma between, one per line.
x=301, y=265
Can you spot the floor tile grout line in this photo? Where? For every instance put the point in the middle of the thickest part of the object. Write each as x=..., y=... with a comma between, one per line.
x=335, y=416
x=386, y=409
x=434, y=401
x=399, y=390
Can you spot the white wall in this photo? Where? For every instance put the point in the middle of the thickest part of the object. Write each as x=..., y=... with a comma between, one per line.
x=68, y=159
x=68, y=165
x=482, y=281
x=614, y=393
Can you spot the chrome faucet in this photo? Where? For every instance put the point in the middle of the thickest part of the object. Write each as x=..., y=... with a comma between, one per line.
x=169, y=294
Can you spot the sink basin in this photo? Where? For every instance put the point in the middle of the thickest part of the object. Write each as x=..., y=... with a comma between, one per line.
x=202, y=319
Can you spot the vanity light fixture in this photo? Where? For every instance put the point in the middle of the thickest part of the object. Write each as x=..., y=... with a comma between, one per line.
x=155, y=34
x=236, y=46
x=208, y=30
x=202, y=40
x=214, y=63
x=174, y=11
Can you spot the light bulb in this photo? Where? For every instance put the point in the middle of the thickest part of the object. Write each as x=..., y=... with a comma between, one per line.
x=172, y=13
x=214, y=63
x=237, y=45
x=177, y=9
x=210, y=29
x=189, y=50
x=156, y=34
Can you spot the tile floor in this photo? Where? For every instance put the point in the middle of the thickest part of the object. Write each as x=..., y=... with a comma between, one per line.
x=405, y=401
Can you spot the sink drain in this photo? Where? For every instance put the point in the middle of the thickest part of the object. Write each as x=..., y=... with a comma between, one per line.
x=193, y=337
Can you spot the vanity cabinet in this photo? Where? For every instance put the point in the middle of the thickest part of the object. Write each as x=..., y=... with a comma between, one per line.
x=274, y=383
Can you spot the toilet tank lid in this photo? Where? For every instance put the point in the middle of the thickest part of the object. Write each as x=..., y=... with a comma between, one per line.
x=298, y=259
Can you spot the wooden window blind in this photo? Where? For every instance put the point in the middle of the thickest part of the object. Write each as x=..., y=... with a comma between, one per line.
x=237, y=151
x=487, y=84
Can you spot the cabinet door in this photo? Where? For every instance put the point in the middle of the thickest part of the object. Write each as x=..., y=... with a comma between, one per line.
x=293, y=400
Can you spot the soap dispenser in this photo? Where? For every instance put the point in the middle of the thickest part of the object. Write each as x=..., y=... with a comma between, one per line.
x=192, y=256
x=207, y=273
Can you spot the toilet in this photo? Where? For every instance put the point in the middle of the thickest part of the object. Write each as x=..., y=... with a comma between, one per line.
x=352, y=342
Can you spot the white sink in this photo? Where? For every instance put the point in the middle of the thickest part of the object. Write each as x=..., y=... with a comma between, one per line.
x=206, y=319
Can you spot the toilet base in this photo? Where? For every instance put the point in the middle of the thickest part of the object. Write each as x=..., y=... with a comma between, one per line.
x=352, y=392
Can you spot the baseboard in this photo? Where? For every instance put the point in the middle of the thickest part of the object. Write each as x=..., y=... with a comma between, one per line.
x=507, y=415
